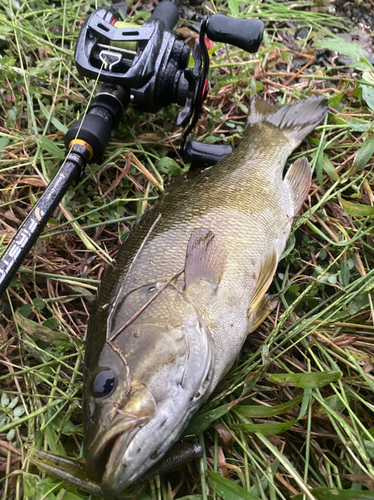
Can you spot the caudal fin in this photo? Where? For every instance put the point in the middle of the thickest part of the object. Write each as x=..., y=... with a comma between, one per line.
x=295, y=120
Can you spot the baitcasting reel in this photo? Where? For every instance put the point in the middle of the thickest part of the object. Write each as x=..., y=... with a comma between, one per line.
x=147, y=66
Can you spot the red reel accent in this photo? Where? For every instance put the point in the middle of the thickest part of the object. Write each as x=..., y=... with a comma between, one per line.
x=204, y=93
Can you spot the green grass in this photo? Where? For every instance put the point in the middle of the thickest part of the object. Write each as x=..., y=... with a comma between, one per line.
x=294, y=417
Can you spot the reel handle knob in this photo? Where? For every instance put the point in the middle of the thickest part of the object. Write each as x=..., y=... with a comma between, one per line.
x=243, y=33
x=168, y=12
x=205, y=155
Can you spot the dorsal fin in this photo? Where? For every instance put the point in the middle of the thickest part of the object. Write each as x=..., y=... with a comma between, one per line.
x=299, y=177
x=205, y=258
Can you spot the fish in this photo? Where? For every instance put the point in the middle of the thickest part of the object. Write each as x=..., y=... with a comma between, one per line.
x=187, y=287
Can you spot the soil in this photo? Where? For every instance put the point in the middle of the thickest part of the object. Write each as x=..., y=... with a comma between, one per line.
x=360, y=13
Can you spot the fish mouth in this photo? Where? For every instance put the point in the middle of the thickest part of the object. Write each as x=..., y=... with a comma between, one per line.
x=126, y=465
x=110, y=486
x=105, y=448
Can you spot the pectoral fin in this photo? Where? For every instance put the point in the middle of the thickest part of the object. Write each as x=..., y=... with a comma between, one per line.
x=299, y=178
x=263, y=310
x=205, y=258
x=264, y=278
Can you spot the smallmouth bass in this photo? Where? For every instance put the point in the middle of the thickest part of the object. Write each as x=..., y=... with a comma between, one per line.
x=188, y=286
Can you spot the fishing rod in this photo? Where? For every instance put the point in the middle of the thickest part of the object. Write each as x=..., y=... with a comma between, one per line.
x=146, y=66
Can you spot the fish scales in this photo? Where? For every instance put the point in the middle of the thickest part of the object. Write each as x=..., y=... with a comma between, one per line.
x=175, y=309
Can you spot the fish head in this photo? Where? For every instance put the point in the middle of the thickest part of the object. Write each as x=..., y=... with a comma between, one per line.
x=142, y=387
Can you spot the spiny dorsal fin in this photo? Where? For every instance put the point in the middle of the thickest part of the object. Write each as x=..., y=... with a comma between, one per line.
x=268, y=303
x=299, y=177
x=205, y=258
x=264, y=278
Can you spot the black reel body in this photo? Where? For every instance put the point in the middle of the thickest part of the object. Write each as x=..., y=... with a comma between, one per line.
x=151, y=64
x=153, y=74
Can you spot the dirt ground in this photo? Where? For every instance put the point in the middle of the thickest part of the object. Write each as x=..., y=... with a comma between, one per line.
x=360, y=13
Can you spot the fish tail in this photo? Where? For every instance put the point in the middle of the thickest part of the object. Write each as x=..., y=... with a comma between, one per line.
x=295, y=120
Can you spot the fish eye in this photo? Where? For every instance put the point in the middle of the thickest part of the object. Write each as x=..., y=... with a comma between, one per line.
x=104, y=383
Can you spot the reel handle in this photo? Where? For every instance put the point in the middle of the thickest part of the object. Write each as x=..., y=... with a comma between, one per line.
x=205, y=155
x=243, y=33
x=168, y=12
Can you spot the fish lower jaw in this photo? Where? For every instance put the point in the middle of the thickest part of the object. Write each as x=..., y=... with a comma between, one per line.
x=131, y=457
x=124, y=468
x=97, y=458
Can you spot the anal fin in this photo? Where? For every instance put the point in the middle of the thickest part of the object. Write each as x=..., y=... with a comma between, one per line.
x=263, y=310
x=299, y=178
x=205, y=258
x=264, y=279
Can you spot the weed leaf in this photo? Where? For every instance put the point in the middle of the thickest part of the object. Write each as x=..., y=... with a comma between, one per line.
x=368, y=96
x=254, y=411
x=4, y=141
x=266, y=429
x=364, y=154
x=338, y=494
x=234, y=8
x=329, y=168
x=357, y=209
x=346, y=48
x=308, y=380
x=227, y=489
x=51, y=147
x=203, y=420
